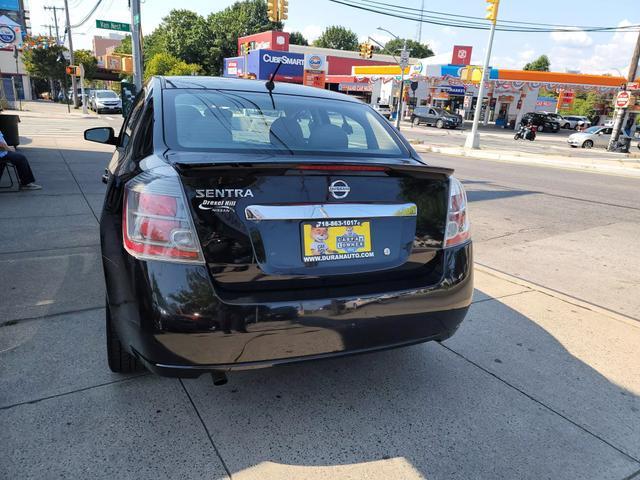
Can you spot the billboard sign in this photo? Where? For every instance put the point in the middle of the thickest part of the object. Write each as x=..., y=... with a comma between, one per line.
x=264, y=63
x=315, y=63
x=10, y=5
x=233, y=67
x=461, y=55
x=10, y=35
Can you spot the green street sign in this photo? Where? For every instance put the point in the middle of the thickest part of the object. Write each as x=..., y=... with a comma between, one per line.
x=109, y=25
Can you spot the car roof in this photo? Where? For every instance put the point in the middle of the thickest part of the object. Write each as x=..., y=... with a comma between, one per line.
x=243, y=85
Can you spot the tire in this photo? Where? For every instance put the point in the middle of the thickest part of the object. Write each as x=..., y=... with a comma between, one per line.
x=567, y=126
x=439, y=124
x=541, y=128
x=516, y=136
x=119, y=359
x=587, y=144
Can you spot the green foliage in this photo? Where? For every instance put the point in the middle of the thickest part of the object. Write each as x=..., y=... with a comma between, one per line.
x=43, y=62
x=240, y=19
x=125, y=46
x=540, y=64
x=296, y=38
x=184, y=34
x=417, y=50
x=583, y=105
x=167, y=64
x=338, y=37
x=86, y=58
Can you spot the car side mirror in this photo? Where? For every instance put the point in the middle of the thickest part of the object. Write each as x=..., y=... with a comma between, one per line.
x=101, y=135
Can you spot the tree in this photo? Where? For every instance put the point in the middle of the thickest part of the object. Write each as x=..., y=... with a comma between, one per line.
x=296, y=38
x=541, y=64
x=44, y=63
x=167, y=64
x=583, y=105
x=238, y=20
x=337, y=37
x=184, y=34
x=86, y=58
x=418, y=50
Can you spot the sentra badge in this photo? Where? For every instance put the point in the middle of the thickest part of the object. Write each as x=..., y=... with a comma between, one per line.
x=224, y=193
x=339, y=189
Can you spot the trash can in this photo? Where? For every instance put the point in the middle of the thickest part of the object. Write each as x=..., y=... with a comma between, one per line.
x=9, y=128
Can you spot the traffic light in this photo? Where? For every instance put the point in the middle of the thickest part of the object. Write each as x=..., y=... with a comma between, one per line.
x=73, y=70
x=272, y=10
x=283, y=9
x=492, y=10
x=369, y=51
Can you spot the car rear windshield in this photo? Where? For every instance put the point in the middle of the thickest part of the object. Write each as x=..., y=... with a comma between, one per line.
x=236, y=121
x=106, y=95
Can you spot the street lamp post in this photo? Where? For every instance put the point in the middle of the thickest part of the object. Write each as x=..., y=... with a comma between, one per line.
x=473, y=139
x=403, y=63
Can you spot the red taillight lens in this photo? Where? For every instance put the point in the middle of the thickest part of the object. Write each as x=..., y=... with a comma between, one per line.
x=347, y=168
x=457, y=228
x=156, y=222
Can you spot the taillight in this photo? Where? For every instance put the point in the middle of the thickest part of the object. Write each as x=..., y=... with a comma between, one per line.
x=156, y=223
x=457, y=230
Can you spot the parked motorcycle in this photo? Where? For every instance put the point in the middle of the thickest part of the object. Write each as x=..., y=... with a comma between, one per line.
x=526, y=132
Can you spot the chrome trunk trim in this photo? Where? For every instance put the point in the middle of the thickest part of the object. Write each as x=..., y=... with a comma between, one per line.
x=329, y=210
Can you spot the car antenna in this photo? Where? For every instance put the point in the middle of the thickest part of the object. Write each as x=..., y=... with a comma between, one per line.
x=270, y=85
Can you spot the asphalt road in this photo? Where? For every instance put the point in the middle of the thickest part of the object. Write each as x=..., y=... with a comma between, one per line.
x=534, y=384
x=546, y=143
x=566, y=230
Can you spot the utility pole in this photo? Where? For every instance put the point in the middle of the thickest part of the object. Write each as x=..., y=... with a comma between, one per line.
x=49, y=27
x=419, y=39
x=404, y=63
x=55, y=21
x=621, y=113
x=136, y=45
x=473, y=139
x=74, y=93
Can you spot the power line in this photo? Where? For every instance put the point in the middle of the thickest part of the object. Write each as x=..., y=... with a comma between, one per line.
x=469, y=22
x=89, y=15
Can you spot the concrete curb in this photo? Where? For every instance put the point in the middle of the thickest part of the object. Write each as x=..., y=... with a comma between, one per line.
x=627, y=168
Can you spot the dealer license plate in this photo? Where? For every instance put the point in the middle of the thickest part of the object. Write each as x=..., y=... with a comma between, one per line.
x=327, y=240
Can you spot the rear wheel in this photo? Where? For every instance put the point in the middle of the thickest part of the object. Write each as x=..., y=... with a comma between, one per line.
x=439, y=124
x=120, y=360
x=587, y=144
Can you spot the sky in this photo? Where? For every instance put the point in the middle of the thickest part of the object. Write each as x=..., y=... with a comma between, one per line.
x=586, y=52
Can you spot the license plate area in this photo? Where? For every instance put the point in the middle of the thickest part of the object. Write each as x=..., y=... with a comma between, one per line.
x=336, y=240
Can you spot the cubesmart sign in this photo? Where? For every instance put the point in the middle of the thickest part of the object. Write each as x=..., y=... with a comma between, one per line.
x=291, y=70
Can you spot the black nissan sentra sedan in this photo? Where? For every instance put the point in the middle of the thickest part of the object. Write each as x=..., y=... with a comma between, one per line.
x=248, y=225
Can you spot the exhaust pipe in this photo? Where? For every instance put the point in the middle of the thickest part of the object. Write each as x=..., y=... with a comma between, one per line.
x=219, y=378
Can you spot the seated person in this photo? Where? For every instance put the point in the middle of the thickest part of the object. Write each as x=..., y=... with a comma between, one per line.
x=25, y=175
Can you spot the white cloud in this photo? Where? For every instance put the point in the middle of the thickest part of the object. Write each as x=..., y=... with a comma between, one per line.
x=378, y=36
x=312, y=32
x=600, y=58
x=575, y=39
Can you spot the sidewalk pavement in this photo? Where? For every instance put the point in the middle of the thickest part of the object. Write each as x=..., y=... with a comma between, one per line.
x=535, y=384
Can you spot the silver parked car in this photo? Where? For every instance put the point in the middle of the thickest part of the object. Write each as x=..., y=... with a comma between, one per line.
x=105, y=101
x=574, y=121
x=592, y=137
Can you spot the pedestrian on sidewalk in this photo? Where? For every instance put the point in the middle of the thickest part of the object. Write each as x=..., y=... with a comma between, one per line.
x=25, y=175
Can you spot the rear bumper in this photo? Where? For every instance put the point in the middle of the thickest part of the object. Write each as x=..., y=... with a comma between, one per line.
x=173, y=321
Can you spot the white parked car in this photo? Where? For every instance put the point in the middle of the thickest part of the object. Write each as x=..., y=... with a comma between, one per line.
x=382, y=109
x=105, y=101
x=573, y=121
x=591, y=137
